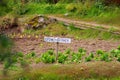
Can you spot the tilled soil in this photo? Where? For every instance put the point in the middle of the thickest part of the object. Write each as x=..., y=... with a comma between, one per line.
x=39, y=46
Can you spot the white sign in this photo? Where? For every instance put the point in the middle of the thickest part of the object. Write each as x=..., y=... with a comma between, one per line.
x=57, y=39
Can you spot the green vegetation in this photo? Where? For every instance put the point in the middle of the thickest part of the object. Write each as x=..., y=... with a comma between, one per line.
x=7, y=56
x=59, y=29
x=67, y=57
x=67, y=65
x=81, y=56
x=98, y=11
x=48, y=57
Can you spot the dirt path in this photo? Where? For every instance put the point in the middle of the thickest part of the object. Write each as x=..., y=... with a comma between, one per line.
x=39, y=46
x=84, y=25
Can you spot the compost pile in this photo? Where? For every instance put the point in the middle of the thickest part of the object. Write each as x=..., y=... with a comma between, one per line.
x=39, y=22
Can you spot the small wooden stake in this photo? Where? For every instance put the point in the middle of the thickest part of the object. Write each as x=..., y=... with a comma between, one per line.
x=57, y=44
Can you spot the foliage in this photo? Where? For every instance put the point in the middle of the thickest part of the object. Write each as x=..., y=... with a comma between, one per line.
x=48, y=57
x=7, y=57
x=62, y=57
x=30, y=55
x=20, y=9
x=76, y=57
x=87, y=59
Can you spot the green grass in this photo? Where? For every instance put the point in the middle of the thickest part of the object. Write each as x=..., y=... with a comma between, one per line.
x=66, y=72
x=38, y=8
x=59, y=29
x=89, y=11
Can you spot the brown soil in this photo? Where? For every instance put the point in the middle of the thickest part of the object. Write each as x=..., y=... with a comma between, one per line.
x=27, y=45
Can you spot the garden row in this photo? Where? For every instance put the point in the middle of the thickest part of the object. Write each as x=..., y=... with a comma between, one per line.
x=69, y=56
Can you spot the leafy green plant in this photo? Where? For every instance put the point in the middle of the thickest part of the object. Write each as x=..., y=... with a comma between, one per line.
x=91, y=55
x=76, y=57
x=118, y=58
x=48, y=57
x=30, y=55
x=81, y=52
x=115, y=52
x=105, y=57
x=20, y=54
x=87, y=59
x=100, y=52
x=62, y=57
x=68, y=51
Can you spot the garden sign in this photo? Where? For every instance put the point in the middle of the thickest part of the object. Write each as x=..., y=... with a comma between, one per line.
x=57, y=40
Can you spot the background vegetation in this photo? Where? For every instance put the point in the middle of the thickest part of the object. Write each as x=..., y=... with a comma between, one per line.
x=104, y=11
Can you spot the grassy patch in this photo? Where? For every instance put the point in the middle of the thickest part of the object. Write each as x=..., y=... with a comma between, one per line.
x=70, y=72
x=37, y=8
x=58, y=29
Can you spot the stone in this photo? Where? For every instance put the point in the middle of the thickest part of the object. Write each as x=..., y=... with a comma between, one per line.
x=39, y=22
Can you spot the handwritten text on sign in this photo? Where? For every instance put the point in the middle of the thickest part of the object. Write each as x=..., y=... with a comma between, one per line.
x=57, y=39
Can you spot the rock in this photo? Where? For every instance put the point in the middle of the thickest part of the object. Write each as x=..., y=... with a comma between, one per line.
x=66, y=14
x=39, y=22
